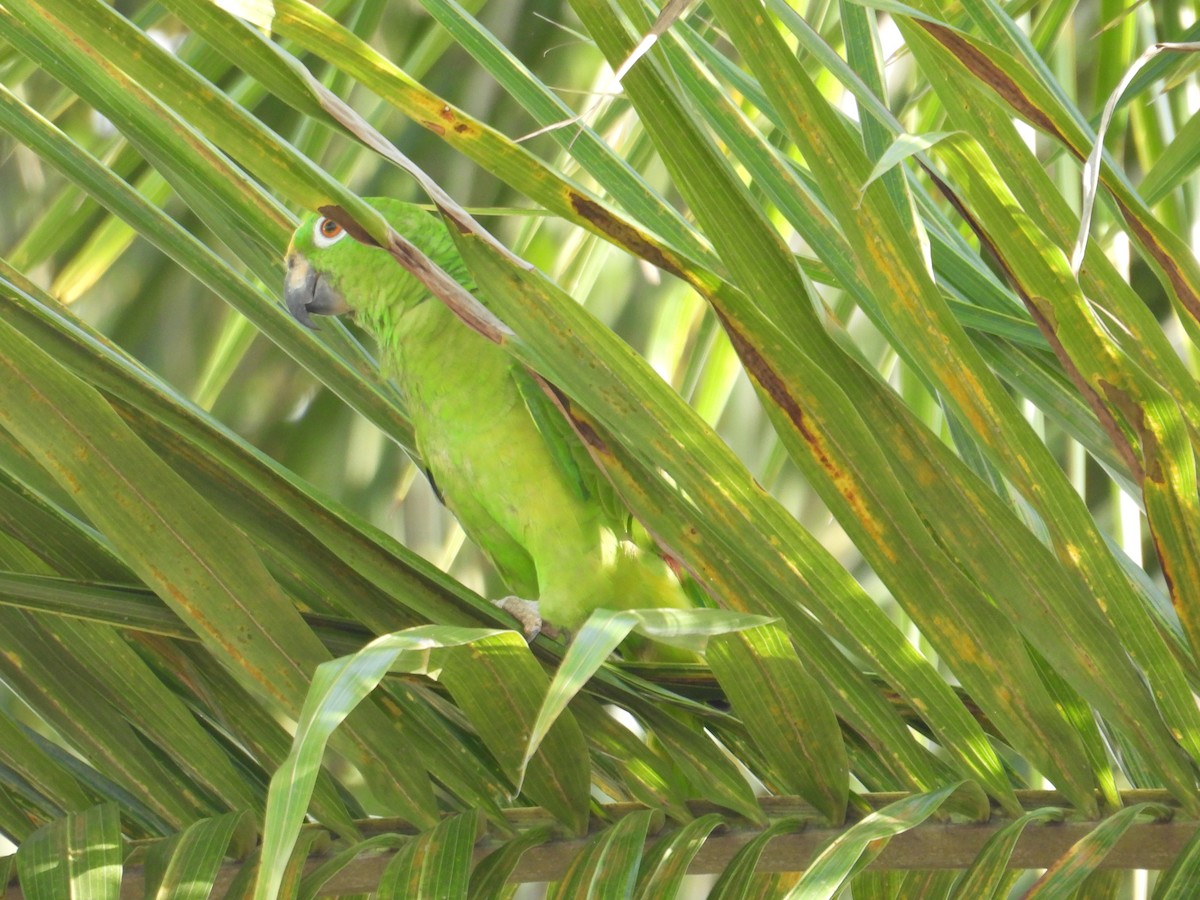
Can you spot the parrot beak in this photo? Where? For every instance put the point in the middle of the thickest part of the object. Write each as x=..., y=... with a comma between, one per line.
x=305, y=292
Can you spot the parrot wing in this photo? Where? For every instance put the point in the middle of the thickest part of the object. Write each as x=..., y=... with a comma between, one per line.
x=572, y=458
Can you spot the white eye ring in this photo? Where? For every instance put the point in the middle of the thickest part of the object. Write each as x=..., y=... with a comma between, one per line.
x=327, y=232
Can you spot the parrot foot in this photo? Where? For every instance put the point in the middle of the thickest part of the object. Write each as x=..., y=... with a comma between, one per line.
x=526, y=612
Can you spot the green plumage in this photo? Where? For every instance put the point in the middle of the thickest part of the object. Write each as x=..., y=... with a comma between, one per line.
x=501, y=456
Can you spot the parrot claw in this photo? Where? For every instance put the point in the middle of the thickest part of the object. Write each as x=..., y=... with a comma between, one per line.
x=526, y=612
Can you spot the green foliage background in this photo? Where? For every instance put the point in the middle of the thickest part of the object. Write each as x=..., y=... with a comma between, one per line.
x=851, y=381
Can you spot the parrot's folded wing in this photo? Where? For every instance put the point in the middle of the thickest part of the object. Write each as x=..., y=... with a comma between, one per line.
x=568, y=451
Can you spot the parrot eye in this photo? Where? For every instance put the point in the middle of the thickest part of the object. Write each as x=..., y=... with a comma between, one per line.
x=327, y=232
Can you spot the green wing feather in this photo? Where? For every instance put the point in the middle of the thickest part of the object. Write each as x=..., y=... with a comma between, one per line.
x=569, y=453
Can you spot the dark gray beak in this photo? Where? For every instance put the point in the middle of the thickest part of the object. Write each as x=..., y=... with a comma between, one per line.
x=308, y=294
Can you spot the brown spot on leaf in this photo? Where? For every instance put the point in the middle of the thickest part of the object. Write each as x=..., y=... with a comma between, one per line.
x=762, y=372
x=1135, y=417
x=1164, y=563
x=588, y=434
x=1042, y=312
x=985, y=242
x=67, y=476
x=460, y=225
x=1179, y=281
x=623, y=233
x=765, y=375
x=991, y=74
x=402, y=251
x=435, y=127
x=582, y=427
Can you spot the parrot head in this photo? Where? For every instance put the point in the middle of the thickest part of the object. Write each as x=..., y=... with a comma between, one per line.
x=310, y=288
x=330, y=273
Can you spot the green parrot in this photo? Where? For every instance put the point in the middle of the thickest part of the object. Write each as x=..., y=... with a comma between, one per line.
x=498, y=454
